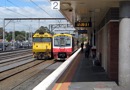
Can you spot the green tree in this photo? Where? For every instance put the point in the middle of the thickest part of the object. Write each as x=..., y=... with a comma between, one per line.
x=20, y=37
x=43, y=29
x=1, y=33
x=9, y=36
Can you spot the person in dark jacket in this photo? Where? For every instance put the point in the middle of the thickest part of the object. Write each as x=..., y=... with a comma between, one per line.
x=87, y=50
x=82, y=45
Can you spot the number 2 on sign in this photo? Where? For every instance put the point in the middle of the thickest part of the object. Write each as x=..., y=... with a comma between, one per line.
x=55, y=5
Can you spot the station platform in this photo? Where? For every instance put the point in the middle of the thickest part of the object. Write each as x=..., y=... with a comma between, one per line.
x=83, y=75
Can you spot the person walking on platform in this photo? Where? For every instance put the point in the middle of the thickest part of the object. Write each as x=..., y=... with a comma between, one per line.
x=87, y=50
x=82, y=45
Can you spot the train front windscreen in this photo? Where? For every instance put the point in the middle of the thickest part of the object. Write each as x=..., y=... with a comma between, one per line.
x=39, y=39
x=62, y=41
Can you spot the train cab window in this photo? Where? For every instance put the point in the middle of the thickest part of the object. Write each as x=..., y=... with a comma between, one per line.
x=59, y=41
x=45, y=39
x=36, y=39
x=56, y=42
x=68, y=42
x=62, y=41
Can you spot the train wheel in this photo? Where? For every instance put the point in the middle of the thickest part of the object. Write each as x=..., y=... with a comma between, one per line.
x=39, y=57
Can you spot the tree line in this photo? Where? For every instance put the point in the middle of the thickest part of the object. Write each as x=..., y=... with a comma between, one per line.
x=22, y=35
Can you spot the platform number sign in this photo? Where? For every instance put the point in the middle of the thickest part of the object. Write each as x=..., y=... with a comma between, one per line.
x=55, y=5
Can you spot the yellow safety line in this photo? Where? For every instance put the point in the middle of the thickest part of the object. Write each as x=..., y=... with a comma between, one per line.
x=59, y=85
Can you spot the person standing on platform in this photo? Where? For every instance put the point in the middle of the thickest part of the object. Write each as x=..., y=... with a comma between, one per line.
x=82, y=45
x=87, y=50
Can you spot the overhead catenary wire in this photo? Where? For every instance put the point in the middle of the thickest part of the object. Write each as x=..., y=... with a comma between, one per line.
x=16, y=12
x=40, y=8
x=2, y=12
x=57, y=16
x=46, y=12
x=17, y=6
x=25, y=15
x=12, y=10
x=57, y=10
x=43, y=9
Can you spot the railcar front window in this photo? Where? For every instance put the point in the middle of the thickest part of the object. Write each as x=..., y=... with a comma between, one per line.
x=56, y=42
x=41, y=39
x=68, y=42
x=46, y=39
x=62, y=41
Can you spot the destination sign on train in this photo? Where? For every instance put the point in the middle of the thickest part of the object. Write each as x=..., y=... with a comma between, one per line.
x=83, y=24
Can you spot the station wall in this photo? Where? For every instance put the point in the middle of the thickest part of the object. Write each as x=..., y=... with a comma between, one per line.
x=107, y=41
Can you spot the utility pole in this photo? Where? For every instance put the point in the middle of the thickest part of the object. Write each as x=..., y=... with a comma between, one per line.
x=3, y=35
x=4, y=25
x=31, y=32
x=25, y=35
x=13, y=37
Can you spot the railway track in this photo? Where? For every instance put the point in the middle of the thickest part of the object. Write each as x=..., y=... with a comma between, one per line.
x=11, y=59
x=21, y=68
x=15, y=63
x=8, y=55
x=23, y=73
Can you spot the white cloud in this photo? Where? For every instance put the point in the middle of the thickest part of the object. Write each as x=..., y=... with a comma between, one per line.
x=30, y=12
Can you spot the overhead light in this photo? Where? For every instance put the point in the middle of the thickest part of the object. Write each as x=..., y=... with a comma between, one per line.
x=66, y=6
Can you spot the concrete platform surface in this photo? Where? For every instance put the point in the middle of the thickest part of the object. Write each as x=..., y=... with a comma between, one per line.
x=83, y=75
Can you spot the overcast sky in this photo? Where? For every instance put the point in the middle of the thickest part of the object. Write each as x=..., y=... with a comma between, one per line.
x=27, y=9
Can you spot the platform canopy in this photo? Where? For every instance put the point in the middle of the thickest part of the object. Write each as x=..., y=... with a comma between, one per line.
x=87, y=10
